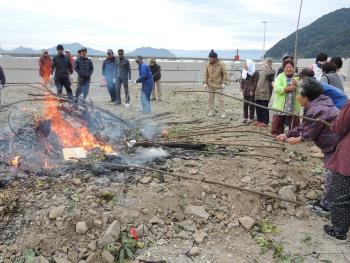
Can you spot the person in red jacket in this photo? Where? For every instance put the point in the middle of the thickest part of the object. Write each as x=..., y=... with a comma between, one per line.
x=340, y=165
x=45, y=68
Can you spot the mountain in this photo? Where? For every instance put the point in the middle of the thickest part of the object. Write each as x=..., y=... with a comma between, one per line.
x=330, y=34
x=152, y=52
x=74, y=47
x=24, y=50
x=228, y=54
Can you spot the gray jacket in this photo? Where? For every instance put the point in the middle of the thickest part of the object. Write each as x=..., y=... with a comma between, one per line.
x=333, y=79
x=122, y=68
x=264, y=87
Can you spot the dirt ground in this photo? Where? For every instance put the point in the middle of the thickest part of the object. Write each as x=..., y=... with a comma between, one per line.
x=280, y=232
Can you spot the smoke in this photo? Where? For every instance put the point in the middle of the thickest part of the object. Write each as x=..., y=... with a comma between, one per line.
x=143, y=156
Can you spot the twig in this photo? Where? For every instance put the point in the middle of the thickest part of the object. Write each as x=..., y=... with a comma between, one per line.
x=256, y=105
x=139, y=167
x=230, y=153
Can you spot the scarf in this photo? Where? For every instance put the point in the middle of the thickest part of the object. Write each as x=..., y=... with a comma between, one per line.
x=250, y=69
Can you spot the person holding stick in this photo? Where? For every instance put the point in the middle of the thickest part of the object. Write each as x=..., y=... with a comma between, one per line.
x=316, y=106
x=286, y=90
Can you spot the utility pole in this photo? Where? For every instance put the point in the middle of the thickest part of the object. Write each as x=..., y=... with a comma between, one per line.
x=296, y=36
x=265, y=23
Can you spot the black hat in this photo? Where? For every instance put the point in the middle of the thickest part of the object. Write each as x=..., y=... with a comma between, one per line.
x=59, y=47
x=139, y=57
x=110, y=51
x=213, y=54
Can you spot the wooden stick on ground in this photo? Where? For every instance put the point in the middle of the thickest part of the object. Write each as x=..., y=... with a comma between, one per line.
x=139, y=167
x=256, y=105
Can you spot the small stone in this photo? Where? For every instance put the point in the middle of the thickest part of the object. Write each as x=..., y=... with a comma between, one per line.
x=199, y=236
x=145, y=180
x=107, y=257
x=61, y=260
x=188, y=225
x=111, y=235
x=247, y=222
x=233, y=224
x=161, y=242
x=195, y=251
x=197, y=211
x=193, y=171
x=81, y=227
x=156, y=221
x=76, y=181
x=40, y=259
x=92, y=258
x=184, y=234
x=98, y=222
x=56, y=212
x=287, y=192
x=179, y=217
x=92, y=245
x=142, y=230
x=312, y=195
x=269, y=208
x=246, y=179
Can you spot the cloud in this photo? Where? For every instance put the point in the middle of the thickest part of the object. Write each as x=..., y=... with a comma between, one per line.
x=176, y=24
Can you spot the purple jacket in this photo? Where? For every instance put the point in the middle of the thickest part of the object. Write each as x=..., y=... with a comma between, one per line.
x=321, y=108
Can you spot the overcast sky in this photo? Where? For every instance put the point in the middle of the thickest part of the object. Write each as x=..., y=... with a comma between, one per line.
x=181, y=24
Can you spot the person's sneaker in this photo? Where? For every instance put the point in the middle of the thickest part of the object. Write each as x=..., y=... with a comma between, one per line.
x=244, y=121
x=127, y=105
x=210, y=114
x=329, y=230
x=250, y=121
x=318, y=208
x=257, y=124
x=223, y=115
x=263, y=125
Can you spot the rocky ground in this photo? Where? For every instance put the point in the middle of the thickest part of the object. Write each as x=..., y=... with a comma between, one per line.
x=81, y=217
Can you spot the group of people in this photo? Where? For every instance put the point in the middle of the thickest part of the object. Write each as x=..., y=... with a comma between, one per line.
x=319, y=91
x=116, y=71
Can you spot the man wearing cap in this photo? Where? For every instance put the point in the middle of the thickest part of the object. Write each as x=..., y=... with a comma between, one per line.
x=108, y=73
x=146, y=78
x=62, y=67
x=122, y=76
x=215, y=80
x=84, y=68
x=155, y=69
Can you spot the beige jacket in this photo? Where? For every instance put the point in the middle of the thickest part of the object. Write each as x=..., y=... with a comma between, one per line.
x=215, y=75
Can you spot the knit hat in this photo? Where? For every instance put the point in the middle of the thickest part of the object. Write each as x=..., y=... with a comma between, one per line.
x=213, y=54
x=110, y=51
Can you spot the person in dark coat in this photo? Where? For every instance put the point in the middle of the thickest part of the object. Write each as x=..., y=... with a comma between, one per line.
x=316, y=106
x=123, y=76
x=156, y=72
x=2, y=80
x=108, y=73
x=84, y=67
x=62, y=68
x=250, y=77
x=339, y=165
x=146, y=79
x=330, y=75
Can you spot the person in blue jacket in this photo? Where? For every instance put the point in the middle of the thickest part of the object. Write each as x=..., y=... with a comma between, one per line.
x=146, y=78
x=108, y=73
x=338, y=97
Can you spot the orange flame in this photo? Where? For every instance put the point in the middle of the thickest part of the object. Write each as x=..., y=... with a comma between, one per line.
x=15, y=161
x=68, y=135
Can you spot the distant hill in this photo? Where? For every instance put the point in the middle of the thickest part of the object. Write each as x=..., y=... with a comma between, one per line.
x=329, y=34
x=228, y=54
x=24, y=50
x=74, y=47
x=151, y=52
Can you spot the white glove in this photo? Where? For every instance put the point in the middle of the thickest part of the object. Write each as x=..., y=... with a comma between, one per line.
x=51, y=77
x=205, y=86
x=132, y=82
x=114, y=81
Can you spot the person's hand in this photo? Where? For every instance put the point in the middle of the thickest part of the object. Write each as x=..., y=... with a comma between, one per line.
x=132, y=82
x=281, y=138
x=289, y=89
x=205, y=86
x=293, y=140
x=294, y=83
x=251, y=93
